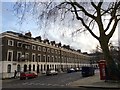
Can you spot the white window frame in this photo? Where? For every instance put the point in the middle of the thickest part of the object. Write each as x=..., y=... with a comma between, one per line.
x=28, y=56
x=59, y=59
x=52, y=50
x=59, y=51
x=62, y=59
x=49, y=58
x=40, y=58
x=56, y=59
x=28, y=47
x=8, y=55
x=56, y=51
x=44, y=49
x=67, y=59
x=34, y=57
x=33, y=47
x=52, y=58
x=18, y=44
x=39, y=48
x=20, y=54
x=12, y=42
x=45, y=58
x=48, y=50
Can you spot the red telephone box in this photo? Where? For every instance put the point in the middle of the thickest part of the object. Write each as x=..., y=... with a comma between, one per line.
x=102, y=67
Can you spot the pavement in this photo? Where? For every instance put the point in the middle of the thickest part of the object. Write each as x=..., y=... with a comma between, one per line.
x=95, y=82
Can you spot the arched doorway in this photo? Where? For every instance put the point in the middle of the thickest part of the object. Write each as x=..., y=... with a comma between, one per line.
x=62, y=67
x=52, y=66
x=44, y=67
x=38, y=69
x=18, y=68
x=33, y=67
x=30, y=67
x=9, y=68
x=55, y=67
x=41, y=67
x=47, y=67
x=25, y=68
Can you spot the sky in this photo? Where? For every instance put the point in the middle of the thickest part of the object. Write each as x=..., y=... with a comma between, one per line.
x=83, y=41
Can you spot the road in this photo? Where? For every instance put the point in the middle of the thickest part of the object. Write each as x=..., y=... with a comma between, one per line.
x=60, y=80
x=56, y=89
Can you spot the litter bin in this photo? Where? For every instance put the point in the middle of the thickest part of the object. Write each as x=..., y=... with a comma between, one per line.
x=87, y=71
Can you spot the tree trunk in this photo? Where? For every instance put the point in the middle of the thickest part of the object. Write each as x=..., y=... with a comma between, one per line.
x=113, y=72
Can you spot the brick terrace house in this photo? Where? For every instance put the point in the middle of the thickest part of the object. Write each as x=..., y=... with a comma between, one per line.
x=25, y=53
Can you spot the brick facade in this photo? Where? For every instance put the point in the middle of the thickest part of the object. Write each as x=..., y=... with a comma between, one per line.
x=23, y=52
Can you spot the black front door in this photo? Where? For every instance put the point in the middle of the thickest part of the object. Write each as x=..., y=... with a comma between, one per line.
x=47, y=67
x=25, y=68
x=37, y=68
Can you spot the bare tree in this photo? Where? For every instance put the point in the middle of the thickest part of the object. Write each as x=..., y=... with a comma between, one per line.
x=88, y=13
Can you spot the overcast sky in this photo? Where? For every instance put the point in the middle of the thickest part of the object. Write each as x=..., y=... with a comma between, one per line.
x=56, y=32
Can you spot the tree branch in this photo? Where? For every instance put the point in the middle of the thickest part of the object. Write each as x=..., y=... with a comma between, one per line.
x=113, y=28
x=113, y=14
x=108, y=9
x=108, y=26
x=81, y=19
x=100, y=3
x=82, y=8
x=93, y=4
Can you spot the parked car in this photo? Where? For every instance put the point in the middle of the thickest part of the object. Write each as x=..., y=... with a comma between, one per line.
x=87, y=71
x=27, y=75
x=43, y=72
x=51, y=72
x=77, y=69
x=71, y=70
x=80, y=68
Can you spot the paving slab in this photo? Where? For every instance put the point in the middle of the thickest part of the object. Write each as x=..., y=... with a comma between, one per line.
x=95, y=82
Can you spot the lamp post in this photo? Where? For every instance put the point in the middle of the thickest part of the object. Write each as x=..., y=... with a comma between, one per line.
x=59, y=45
x=91, y=62
x=37, y=67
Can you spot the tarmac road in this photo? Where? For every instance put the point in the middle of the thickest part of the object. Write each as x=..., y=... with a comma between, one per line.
x=55, y=81
x=80, y=88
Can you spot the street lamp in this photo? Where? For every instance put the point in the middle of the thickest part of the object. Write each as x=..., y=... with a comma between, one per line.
x=91, y=62
x=37, y=67
x=60, y=60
